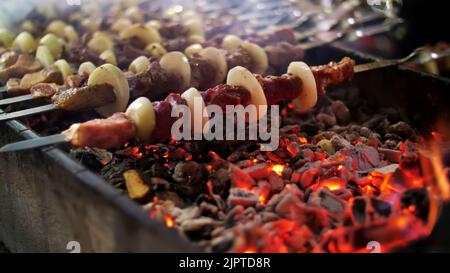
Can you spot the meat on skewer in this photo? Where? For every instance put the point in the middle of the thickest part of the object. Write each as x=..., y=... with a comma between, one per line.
x=143, y=117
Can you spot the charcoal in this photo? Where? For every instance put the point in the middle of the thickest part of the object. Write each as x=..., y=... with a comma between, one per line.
x=241, y=197
x=364, y=157
x=381, y=208
x=339, y=142
x=341, y=112
x=199, y=228
x=286, y=203
x=326, y=199
x=221, y=245
x=276, y=183
x=359, y=210
x=172, y=196
x=402, y=129
x=220, y=180
x=190, y=177
x=259, y=171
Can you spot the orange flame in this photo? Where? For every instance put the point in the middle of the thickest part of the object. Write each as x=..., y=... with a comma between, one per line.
x=278, y=168
x=169, y=221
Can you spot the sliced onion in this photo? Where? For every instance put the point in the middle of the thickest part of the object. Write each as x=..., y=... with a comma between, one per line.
x=259, y=56
x=112, y=75
x=70, y=33
x=121, y=24
x=195, y=27
x=191, y=95
x=109, y=57
x=153, y=24
x=86, y=68
x=141, y=112
x=56, y=27
x=25, y=42
x=145, y=34
x=64, y=67
x=176, y=63
x=44, y=56
x=193, y=49
x=308, y=95
x=231, y=42
x=53, y=43
x=100, y=42
x=218, y=60
x=155, y=49
x=140, y=64
x=240, y=76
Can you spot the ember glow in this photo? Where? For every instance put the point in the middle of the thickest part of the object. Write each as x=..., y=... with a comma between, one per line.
x=278, y=169
x=169, y=221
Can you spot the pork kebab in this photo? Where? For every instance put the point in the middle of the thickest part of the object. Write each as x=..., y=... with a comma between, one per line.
x=151, y=122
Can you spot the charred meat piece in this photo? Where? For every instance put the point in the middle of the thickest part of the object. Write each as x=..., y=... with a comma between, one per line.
x=177, y=44
x=126, y=51
x=164, y=120
x=78, y=52
x=43, y=90
x=223, y=95
x=8, y=58
x=173, y=30
x=284, y=88
x=283, y=35
x=239, y=57
x=86, y=97
x=281, y=54
x=25, y=64
x=154, y=83
x=202, y=72
x=332, y=74
x=46, y=75
x=74, y=81
x=102, y=133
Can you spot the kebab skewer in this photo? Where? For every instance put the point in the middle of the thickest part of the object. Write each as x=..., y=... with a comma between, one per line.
x=151, y=122
x=175, y=70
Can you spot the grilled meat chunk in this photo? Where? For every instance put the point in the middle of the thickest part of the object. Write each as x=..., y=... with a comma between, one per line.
x=202, y=72
x=86, y=97
x=332, y=74
x=43, y=90
x=24, y=64
x=284, y=88
x=239, y=57
x=102, y=133
x=154, y=83
x=281, y=54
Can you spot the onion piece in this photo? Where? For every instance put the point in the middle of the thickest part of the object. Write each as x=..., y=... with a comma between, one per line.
x=25, y=42
x=155, y=49
x=140, y=64
x=230, y=42
x=112, y=75
x=191, y=95
x=109, y=57
x=193, y=49
x=56, y=27
x=64, y=67
x=176, y=63
x=258, y=55
x=145, y=34
x=308, y=95
x=53, y=43
x=44, y=56
x=218, y=60
x=143, y=115
x=86, y=68
x=240, y=76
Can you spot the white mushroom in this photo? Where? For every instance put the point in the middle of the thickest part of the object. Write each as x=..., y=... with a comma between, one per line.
x=258, y=55
x=112, y=75
x=308, y=95
x=141, y=112
x=240, y=76
x=218, y=60
x=176, y=63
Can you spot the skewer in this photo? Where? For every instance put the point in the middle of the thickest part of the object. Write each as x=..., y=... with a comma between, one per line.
x=305, y=98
